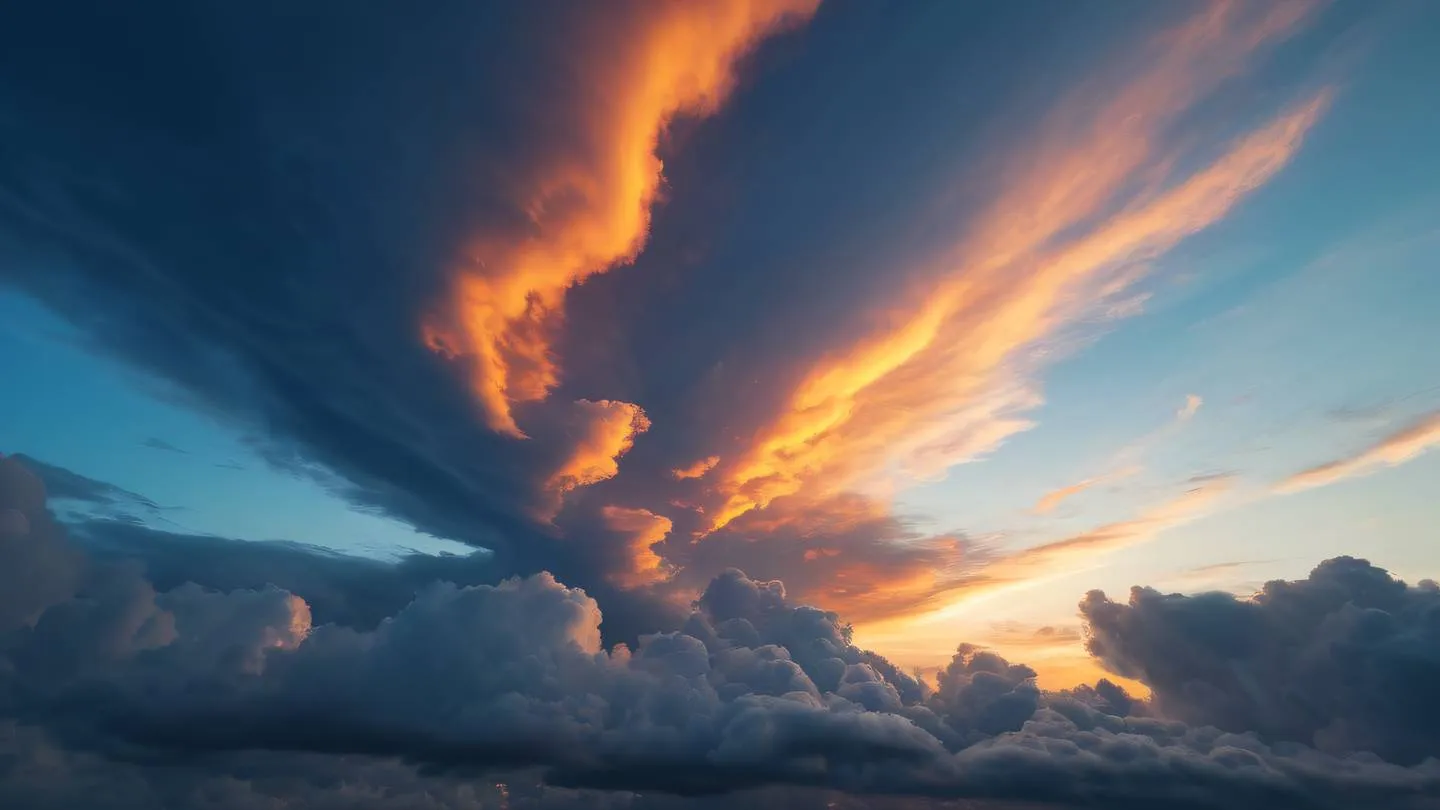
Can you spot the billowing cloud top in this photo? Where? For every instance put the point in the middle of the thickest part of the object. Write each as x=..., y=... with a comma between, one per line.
x=750, y=690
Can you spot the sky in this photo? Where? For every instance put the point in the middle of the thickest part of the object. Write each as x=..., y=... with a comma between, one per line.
x=947, y=316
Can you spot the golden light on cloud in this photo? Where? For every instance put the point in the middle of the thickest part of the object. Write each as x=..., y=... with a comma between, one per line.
x=1391, y=451
x=695, y=470
x=589, y=205
x=644, y=529
x=1082, y=216
x=605, y=431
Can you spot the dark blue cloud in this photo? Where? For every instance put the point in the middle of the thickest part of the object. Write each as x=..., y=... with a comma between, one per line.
x=1342, y=660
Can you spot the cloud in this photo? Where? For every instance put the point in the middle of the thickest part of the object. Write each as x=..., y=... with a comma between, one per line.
x=88, y=495
x=847, y=553
x=646, y=530
x=155, y=443
x=1125, y=462
x=1192, y=406
x=915, y=636
x=604, y=431
x=1041, y=560
x=588, y=204
x=1014, y=634
x=1339, y=660
x=1052, y=499
x=340, y=589
x=238, y=688
x=695, y=470
x=1392, y=451
x=1217, y=576
x=1089, y=203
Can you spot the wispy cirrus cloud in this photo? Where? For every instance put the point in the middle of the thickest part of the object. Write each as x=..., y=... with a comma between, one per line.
x=1045, y=559
x=1089, y=203
x=1125, y=464
x=1393, y=450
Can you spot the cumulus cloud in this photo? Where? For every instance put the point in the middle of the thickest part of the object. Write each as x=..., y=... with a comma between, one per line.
x=1393, y=450
x=107, y=676
x=1338, y=660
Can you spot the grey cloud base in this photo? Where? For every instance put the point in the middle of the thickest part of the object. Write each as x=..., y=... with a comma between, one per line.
x=111, y=676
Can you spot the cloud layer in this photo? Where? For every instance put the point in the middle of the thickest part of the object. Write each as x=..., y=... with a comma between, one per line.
x=751, y=690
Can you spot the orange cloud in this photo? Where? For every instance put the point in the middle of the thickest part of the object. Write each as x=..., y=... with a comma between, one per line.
x=696, y=470
x=1052, y=499
x=1082, y=215
x=644, y=529
x=589, y=206
x=1391, y=451
x=605, y=431
x=1111, y=537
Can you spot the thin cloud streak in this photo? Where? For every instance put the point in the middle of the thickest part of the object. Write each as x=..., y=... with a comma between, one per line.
x=1051, y=500
x=956, y=375
x=1128, y=457
x=1392, y=451
x=1112, y=537
x=914, y=639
